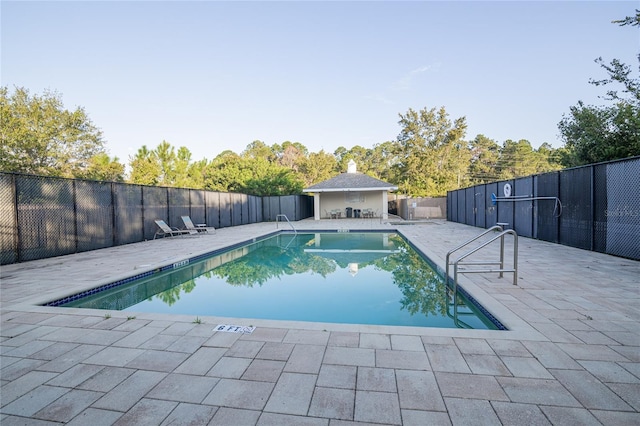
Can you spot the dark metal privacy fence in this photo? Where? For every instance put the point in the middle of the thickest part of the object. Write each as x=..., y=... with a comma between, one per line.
x=595, y=207
x=43, y=217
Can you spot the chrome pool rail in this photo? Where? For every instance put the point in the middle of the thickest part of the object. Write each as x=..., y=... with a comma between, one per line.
x=501, y=270
x=493, y=228
x=287, y=219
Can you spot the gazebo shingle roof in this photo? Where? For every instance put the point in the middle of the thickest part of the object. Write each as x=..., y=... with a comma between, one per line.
x=351, y=182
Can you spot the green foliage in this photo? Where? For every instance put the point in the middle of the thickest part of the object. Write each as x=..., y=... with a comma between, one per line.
x=39, y=136
x=102, y=167
x=271, y=179
x=290, y=153
x=630, y=20
x=601, y=133
x=432, y=156
x=145, y=167
x=428, y=158
x=381, y=160
x=164, y=166
x=317, y=167
x=357, y=153
x=593, y=134
x=250, y=175
x=485, y=154
x=258, y=149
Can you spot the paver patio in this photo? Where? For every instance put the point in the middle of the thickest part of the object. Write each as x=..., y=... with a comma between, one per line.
x=571, y=355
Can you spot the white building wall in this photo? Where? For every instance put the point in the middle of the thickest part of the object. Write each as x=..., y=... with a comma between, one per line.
x=374, y=200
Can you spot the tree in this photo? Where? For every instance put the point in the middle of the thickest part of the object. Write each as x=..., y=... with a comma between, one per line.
x=601, y=133
x=317, y=167
x=181, y=175
x=290, y=154
x=516, y=159
x=270, y=179
x=431, y=154
x=258, y=149
x=549, y=159
x=224, y=173
x=197, y=171
x=358, y=154
x=256, y=176
x=145, y=167
x=381, y=161
x=166, y=167
x=39, y=136
x=166, y=155
x=485, y=154
x=103, y=167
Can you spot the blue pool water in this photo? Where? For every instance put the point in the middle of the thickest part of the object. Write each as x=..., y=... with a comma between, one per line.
x=358, y=278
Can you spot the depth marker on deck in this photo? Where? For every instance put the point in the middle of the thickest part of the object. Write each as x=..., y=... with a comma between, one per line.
x=235, y=328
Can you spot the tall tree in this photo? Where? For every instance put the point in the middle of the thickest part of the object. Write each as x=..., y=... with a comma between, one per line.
x=601, y=133
x=432, y=156
x=381, y=160
x=197, y=172
x=317, y=167
x=166, y=158
x=181, y=175
x=290, y=154
x=102, y=167
x=269, y=179
x=145, y=167
x=485, y=154
x=259, y=149
x=256, y=176
x=38, y=135
x=224, y=173
x=516, y=159
x=358, y=154
x=548, y=159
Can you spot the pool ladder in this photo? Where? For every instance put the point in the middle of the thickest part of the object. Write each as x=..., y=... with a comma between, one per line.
x=287, y=219
x=502, y=268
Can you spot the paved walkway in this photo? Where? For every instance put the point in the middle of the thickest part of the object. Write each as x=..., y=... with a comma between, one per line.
x=571, y=357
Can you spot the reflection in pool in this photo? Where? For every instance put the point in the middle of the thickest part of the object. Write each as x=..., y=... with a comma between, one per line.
x=357, y=278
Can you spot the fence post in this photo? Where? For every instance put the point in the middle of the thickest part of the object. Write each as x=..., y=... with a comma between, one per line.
x=75, y=214
x=592, y=194
x=168, y=208
x=143, y=210
x=16, y=236
x=113, y=215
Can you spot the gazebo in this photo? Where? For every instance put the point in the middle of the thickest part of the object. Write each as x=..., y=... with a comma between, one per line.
x=350, y=194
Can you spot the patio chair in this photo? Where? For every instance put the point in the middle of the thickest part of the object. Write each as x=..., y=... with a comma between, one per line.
x=189, y=225
x=168, y=231
x=333, y=214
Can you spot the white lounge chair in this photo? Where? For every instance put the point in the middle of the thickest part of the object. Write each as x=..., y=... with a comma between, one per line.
x=189, y=225
x=168, y=231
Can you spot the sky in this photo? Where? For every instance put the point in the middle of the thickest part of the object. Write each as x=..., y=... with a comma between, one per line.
x=214, y=76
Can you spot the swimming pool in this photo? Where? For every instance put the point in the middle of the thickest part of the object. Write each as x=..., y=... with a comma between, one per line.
x=338, y=277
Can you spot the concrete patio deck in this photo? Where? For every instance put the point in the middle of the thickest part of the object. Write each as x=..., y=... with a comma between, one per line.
x=571, y=355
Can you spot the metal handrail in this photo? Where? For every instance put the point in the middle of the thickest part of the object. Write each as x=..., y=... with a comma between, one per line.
x=501, y=235
x=493, y=228
x=287, y=219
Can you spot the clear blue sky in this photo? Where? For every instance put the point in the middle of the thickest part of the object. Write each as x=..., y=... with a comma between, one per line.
x=213, y=76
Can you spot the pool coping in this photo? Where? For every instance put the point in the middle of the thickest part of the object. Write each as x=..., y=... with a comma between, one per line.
x=516, y=326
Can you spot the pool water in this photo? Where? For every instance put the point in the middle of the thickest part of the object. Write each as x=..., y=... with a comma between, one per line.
x=356, y=278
